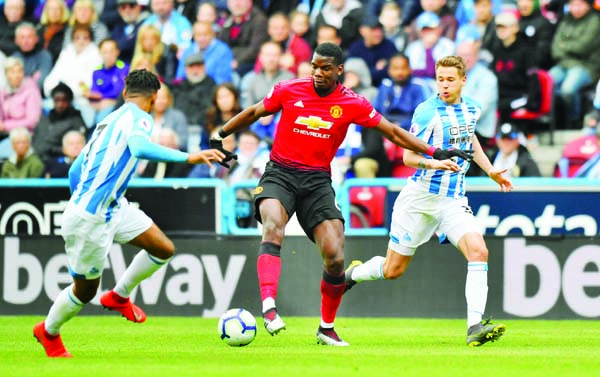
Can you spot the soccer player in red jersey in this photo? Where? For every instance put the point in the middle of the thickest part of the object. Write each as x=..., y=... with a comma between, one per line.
x=315, y=115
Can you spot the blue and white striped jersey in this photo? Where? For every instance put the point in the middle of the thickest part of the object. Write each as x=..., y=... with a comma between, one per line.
x=108, y=164
x=445, y=126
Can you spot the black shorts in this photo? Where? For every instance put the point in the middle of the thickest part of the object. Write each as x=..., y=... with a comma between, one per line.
x=309, y=194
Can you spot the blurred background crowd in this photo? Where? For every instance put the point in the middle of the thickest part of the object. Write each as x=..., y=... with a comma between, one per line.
x=532, y=64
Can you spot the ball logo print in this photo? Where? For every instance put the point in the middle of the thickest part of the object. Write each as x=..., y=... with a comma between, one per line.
x=237, y=327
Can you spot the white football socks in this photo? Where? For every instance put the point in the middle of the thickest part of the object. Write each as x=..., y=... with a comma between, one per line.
x=370, y=270
x=142, y=267
x=65, y=307
x=476, y=289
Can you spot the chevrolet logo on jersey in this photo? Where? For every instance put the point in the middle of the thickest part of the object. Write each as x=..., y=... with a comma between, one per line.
x=313, y=122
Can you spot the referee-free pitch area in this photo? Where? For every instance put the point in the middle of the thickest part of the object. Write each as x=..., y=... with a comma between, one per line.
x=177, y=346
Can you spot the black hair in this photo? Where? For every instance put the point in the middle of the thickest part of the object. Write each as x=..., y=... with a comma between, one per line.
x=142, y=82
x=64, y=89
x=330, y=50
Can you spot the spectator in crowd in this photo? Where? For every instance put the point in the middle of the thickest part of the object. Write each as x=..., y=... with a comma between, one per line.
x=126, y=30
x=481, y=85
x=327, y=33
x=164, y=56
x=429, y=48
x=250, y=164
x=304, y=70
x=187, y=8
x=23, y=162
x=576, y=51
x=358, y=78
x=54, y=21
x=166, y=116
x=372, y=159
x=108, y=81
x=312, y=8
x=591, y=119
x=244, y=31
x=175, y=30
x=20, y=102
x=512, y=62
x=256, y=85
x=300, y=26
x=75, y=67
x=193, y=96
x=72, y=145
x=591, y=168
x=266, y=128
x=84, y=13
x=208, y=12
x=109, y=13
x=49, y=132
x=14, y=12
x=399, y=95
x=466, y=11
x=484, y=21
x=538, y=32
x=448, y=24
x=346, y=16
x=218, y=57
x=374, y=49
x=391, y=20
x=225, y=104
x=36, y=60
x=294, y=49
x=509, y=154
x=166, y=137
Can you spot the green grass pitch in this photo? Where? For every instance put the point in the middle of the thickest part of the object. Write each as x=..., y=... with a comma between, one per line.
x=176, y=347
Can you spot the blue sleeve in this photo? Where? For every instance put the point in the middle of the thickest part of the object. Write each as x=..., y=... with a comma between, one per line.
x=75, y=172
x=141, y=147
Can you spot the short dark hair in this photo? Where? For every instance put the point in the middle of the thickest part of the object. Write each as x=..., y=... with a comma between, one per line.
x=64, y=89
x=330, y=50
x=142, y=82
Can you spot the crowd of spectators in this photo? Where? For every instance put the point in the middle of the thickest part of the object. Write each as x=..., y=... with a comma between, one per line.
x=64, y=63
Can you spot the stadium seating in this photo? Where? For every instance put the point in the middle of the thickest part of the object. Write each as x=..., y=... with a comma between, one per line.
x=544, y=116
x=368, y=206
x=575, y=154
x=395, y=153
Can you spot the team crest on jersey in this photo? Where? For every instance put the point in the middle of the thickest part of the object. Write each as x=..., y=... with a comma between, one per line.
x=258, y=190
x=336, y=111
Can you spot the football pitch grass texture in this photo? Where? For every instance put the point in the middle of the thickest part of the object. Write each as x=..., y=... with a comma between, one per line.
x=177, y=346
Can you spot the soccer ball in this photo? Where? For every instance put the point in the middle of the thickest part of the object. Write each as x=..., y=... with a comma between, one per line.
x=237, y=327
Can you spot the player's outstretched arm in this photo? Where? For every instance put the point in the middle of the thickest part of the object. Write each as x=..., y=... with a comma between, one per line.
x=239, y=122
x=417, y=160
x=484, y=163
x=205, y=157
x=408, y=141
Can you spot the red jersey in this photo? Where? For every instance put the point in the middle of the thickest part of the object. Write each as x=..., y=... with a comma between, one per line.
x=311, y=127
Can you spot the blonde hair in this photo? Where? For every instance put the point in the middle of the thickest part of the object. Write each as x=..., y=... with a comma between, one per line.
x=453, y=61
x=65, y=12
x=140, y=57
x=158, y=50
x=81, y=4
x=12, y=62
